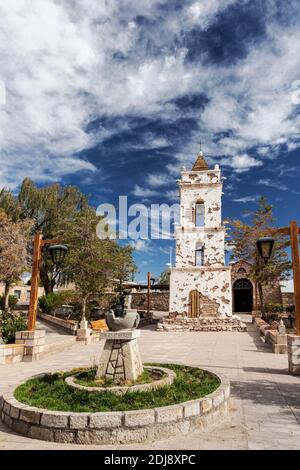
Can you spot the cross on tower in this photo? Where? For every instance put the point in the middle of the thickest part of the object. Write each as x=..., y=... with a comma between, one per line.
x=200, y=146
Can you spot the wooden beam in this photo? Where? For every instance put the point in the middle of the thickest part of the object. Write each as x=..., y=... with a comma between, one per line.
x=148, y=292
x=294, y=230
x=35, y=278
x=54, y=241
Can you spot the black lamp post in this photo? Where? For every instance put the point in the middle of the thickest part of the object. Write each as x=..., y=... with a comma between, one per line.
x=152, y=279
x=265, y=247
x=58, y=254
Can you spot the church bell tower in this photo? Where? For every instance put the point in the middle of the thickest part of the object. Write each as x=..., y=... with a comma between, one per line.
x=200, y=283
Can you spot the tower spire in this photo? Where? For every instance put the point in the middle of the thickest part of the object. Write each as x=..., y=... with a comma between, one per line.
x=200, y=164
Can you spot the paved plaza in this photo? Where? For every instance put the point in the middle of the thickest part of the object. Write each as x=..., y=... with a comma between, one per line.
x=265, y=399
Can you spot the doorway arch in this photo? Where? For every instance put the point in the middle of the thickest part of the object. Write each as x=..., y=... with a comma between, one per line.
x=242, y=295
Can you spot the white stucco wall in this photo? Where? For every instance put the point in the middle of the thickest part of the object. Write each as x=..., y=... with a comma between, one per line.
x=212, y=279
x=211, y=282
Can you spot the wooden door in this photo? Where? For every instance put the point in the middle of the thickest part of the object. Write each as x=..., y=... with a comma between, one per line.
x=194, y=304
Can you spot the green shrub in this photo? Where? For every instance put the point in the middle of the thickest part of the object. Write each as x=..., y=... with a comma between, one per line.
x=49, y=302
x=269, y=317
x=274, y=308
x=10, y=323
x=12, y=302
x=290, y=309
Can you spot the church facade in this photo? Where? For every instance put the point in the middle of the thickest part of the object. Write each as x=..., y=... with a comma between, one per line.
x=200, y=282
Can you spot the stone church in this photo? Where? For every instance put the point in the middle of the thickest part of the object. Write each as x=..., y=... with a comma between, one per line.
x=200, y=282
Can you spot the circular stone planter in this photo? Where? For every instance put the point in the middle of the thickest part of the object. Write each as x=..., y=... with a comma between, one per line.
x=115, y=427
x=167, y=378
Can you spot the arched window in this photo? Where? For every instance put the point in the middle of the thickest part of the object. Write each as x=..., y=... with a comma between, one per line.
x=199, y=254
x=199, y=214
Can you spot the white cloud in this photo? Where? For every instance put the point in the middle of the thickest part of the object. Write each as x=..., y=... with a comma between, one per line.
x=243, y=162
x=155, y=179
x=272, y=184
x=144, y=192
x=143, y=246
x=60, y=71
x=201, y=13
x=246, y=199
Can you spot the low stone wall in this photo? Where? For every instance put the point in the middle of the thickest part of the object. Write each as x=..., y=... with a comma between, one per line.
x=69, y=325
x=182, y=323
x=277, y=341
x=116, y=427
x=158, y=301
x=163, y=381
x=287, y=298
x=33, y=343
x=11, y=353
x=294, y=354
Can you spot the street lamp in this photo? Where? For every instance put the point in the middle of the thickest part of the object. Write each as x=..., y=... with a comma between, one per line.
x=265, y=247
x=152, y=280
x=58, y=254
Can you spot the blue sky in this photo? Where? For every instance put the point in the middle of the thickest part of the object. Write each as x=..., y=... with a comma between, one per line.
x=114, y=96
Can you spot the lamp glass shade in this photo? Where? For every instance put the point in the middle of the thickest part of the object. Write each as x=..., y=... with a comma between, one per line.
x=265, y=247
x=58, y=253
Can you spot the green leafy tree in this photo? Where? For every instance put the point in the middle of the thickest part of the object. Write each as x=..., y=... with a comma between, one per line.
x=164, y=277
x=93, y=263
x=51, y=208
x=243, y=240
x=13, y=251
x=124, y=264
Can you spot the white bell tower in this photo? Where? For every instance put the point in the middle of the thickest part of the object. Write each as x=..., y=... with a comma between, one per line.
x=200, y=283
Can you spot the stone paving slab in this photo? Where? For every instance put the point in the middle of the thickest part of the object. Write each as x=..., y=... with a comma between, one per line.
x=265, y=403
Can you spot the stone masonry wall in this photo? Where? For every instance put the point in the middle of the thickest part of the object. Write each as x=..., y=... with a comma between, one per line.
x=158, y=301
x=115, y=427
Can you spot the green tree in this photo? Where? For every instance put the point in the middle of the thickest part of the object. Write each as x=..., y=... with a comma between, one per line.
x=13, y=251
x=124, y=264
x=93, y=263
x=51, y=208
x=243, y=240
x=164, y=277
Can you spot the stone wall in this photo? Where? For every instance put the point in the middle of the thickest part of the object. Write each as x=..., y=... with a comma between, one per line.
x=287, y=298
x=277, y=342
x=183, y=323
x=115, y=427
x=272, y=292
x=158, y=301
x=11, y=353
x=69, y=325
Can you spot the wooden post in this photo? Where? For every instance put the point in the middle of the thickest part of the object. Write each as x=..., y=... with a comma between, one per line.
x=256, y=303
x=35, y=277
x=296, y=271
x=148, y=293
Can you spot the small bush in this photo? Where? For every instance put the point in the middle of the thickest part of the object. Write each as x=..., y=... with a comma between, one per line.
x=50, y=302
x=10, y=323
x=269, y=317
x=12, y=302
x=290, y=309
x=274, y=308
